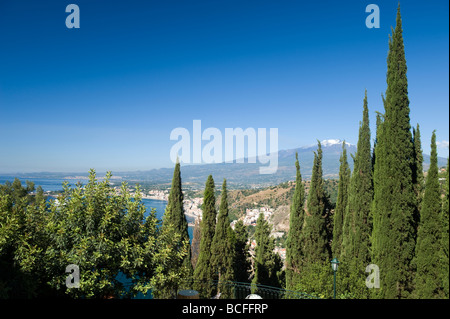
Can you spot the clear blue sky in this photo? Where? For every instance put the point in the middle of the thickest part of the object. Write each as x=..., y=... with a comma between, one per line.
x=108, y=95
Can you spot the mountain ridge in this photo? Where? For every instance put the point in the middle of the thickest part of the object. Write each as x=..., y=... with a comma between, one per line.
x=243, y=175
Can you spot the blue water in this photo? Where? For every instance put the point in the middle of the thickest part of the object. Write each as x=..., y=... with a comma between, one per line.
x=47, y=184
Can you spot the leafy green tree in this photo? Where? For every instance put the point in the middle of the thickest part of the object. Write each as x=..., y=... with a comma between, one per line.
x=395, y=203
x=428, y=282
x=204, y=273
x=223, y=247
x=20, y=221
x=293, y=242
x=103, y=232
x=40, y=197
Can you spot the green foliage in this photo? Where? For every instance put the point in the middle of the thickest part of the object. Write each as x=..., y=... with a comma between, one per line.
x=104, y=233
x=395, y=206
x=195, y=245
x=315, y=263
x=317, y=280
x=428, y=283
x=358, y=225
x=418, y=178
x=444, y=249
x=242, y=262
x=296, y=220
x=20, y=229
x=341, y=204
x=204, y=273
x=174, y=217
x=223, y=247
x=315, y=236
x=268, y=265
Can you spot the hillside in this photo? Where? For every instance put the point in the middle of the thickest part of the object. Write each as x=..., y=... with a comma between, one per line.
x=278, y=198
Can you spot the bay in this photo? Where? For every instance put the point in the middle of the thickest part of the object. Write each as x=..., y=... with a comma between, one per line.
x=47, y=184
x=53, y=184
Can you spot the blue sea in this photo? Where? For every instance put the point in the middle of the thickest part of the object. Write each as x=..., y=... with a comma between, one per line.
x=56, y=185
x=49, y=184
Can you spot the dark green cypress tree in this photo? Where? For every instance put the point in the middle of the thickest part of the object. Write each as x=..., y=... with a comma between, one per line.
x=341, y=204
x=315, y=244
x=418, y=178
x=315, y=269
x=356, y=250
x=394, y=234
x=293, y=242
x=223, y=247
x=174, y=215
x=242, y=263
x=428, y=282
x=195, y=245
x=444, y=250
x=417, y=170
x=204, y=273
x=379, y=122
x=267, y=264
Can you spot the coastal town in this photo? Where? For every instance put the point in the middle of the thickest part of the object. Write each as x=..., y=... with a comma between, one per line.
x=192, y=210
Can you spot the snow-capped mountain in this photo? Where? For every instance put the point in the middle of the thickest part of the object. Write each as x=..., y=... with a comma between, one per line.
x=327, y=143
x=332, y=142
x=248, y=173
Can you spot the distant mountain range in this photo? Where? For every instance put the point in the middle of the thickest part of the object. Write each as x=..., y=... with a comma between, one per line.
x=247, y=174
x=244, y=175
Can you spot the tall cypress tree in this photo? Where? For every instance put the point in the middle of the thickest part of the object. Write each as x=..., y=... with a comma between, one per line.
x=195, y=245
x=267, y=263
x=174, y=215
x=341, y=204
x=315, y=267
x=222, y=247
x=418, y=178
x=428, y=278
x=417, y=171
x=379, y=122
x=293, y=242
x=242, y=263
x=356, y=250
x=444, y=250
x=204, y=273
x=393, y=238
x=315, y=243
